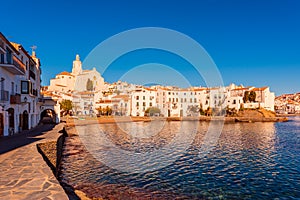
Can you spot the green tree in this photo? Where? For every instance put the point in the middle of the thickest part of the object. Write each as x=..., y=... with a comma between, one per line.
x=246, y=96
x=152, y=110
x=99, y=109
x=66, y=105
x=252, y=96
x=202, y=112
x=106, y=111
x=89, y=85
x=208, y=111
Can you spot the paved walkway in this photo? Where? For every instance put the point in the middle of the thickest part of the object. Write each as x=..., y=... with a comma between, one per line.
x=23, y=172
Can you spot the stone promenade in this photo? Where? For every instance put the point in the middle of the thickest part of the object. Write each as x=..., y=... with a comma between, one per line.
x=23, y=172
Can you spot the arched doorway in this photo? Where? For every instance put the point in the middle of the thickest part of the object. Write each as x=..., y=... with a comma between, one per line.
x=1, y=124
x=11, y=121
x=25, y=120
x=48, y=116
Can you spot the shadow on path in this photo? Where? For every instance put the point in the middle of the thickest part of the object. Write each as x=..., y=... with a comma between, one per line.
x=24, y=138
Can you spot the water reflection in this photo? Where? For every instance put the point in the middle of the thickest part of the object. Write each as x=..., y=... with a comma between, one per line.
x=125, y=152
x=250, y=161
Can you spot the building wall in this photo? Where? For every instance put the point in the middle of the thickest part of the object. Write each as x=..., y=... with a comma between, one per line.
x=141, y=100
x=27, y=71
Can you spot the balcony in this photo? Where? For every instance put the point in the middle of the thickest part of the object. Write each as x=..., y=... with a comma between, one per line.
x=15, y=99
x=15, y=67
x=4, y=95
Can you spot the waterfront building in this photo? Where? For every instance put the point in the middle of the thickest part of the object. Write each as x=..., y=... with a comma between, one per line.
x=20, y=100
x=288, y=104
x=141, y=99
x=179, y=102
x=91, y=95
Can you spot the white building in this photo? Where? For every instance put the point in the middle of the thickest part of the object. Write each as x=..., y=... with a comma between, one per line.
x=83, y=87
x=20, y=98
x=177, y=102
x=141, y=99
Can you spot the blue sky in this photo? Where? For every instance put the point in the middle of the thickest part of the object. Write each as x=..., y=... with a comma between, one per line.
x=252, y=42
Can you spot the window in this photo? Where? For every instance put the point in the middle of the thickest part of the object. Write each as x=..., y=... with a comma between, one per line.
x=234, y=101
x=8, y=56
x=150, y=104
x=2, y=58
x=144, y=97
x=144, y=103
x=2, y=83
x=191, y=100
x=137, y=97
x=195, y=100
x=12, y=88
x=25, y=87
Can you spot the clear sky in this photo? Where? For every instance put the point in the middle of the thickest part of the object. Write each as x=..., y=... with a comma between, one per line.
x=252, y=42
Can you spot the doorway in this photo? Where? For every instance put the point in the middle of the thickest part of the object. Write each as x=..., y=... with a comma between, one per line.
x=1, y=124
x=11, y=121
x=25, y=120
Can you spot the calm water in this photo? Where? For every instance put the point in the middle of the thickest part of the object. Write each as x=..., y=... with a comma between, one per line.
x=249, y=161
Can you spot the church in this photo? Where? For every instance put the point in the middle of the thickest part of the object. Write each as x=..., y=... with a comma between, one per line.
x=78, y=80
x=82, y=87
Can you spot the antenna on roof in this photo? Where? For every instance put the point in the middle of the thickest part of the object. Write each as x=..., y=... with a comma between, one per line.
x=33, y=48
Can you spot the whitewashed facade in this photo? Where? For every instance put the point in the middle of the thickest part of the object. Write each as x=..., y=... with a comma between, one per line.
x=20, y=98
x=83, y=87
x=177, y=102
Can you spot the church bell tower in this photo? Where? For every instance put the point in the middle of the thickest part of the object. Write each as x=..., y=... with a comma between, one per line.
x=77, y=66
